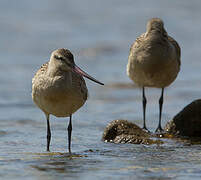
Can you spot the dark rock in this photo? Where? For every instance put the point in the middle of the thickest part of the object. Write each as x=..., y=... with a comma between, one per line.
x=187, y=123
x=122, y=131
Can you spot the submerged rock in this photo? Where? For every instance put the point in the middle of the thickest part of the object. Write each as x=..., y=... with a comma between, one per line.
x=187, y=123
x=122, y=131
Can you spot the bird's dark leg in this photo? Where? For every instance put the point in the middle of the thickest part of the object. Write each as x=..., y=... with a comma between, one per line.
x=159, y=128
x=69, y=134
x=48, y=133
x=144, y=102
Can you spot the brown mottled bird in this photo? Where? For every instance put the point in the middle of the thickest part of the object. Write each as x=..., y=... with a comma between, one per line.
x=154, y=61
x=58, y=88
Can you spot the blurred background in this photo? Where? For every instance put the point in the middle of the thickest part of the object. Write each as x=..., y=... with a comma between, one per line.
x=99, y=34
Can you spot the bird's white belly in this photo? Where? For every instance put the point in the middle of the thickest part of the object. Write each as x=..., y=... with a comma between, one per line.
x=159, y=77
x=59, y=104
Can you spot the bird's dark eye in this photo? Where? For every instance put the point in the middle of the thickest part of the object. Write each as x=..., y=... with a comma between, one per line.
x=59, y=57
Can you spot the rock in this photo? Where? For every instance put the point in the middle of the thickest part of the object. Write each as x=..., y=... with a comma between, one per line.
x=187, y=123
x=122, y=131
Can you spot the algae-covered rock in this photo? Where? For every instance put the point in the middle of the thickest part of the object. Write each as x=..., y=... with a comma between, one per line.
x=187, y=123
x=122, y=131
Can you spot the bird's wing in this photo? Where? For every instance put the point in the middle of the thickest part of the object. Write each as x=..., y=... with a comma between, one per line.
x=41, y=70
x=137, y=42
x=177, y=47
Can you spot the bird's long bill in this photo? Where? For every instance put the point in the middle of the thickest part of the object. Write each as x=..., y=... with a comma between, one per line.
x=79, y=71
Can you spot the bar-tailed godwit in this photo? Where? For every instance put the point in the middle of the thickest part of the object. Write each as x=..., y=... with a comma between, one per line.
x=154, y=61
x=58, y=88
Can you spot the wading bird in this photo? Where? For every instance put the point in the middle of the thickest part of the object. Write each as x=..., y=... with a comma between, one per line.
x=58, y=88
x=154, y=61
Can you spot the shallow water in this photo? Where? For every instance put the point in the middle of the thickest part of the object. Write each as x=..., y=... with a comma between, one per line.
x=99, y=34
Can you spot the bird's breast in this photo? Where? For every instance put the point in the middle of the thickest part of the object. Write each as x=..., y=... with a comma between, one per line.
x=61, y=96
x=154, y=63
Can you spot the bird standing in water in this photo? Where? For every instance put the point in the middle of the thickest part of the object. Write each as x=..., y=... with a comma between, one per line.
x=154, y=61
x=58, y=88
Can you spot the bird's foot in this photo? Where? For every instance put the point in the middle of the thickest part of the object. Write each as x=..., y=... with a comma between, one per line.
x=159, y=130
x=146, y=130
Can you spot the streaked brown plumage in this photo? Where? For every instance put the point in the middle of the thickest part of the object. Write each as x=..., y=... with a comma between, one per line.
x=55, y=95
x=58, y=88
x=154, y=61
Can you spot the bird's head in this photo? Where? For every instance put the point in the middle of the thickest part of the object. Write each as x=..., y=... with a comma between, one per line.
x=63, y=59
x=156, y=25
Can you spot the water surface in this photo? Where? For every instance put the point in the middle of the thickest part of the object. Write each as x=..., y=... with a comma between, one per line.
x=99, y=33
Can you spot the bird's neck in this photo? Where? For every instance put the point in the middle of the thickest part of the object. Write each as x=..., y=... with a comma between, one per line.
x=156, y=33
